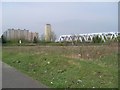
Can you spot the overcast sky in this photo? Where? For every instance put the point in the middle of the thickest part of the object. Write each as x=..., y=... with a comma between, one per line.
x=64, y=17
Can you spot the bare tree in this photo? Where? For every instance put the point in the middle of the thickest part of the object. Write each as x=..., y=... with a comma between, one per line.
x=42, y=38
x=53, y=36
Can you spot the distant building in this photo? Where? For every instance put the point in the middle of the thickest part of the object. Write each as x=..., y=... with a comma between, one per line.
x=18, y=34
x=48, y=32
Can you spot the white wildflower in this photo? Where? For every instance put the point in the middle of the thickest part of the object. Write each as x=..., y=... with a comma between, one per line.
x=48, y=62
x=45, y=71
x=87, y=55
x=79, y=81
x=79, y=55
x=51, y=82
x=65, y=81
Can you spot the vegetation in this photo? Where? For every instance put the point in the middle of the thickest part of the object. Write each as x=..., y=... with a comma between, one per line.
x=4, y=40
x=35, y=40
x=94, y=66
x=118, y=38
x=97, y=39
x=53, y=36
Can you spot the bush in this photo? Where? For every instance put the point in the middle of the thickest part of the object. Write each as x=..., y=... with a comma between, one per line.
x=4, y=40
x=35, y=40
x=118, y=38
x=97, y=39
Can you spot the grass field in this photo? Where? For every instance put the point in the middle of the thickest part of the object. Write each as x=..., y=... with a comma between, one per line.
x=67, y=66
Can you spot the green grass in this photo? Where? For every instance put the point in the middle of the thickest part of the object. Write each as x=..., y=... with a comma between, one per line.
x=54, y=66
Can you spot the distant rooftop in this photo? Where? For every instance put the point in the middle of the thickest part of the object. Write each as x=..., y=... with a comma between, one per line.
x=47, y=24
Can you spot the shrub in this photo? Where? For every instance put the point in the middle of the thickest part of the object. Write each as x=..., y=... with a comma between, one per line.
x=4, y=40
x=118, y=38
x=97, y=39
x=35, y=40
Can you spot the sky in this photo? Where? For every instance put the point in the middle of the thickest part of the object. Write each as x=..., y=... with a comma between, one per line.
x=64, y=17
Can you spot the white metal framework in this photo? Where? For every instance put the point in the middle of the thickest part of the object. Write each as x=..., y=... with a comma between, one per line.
x=88, y=37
